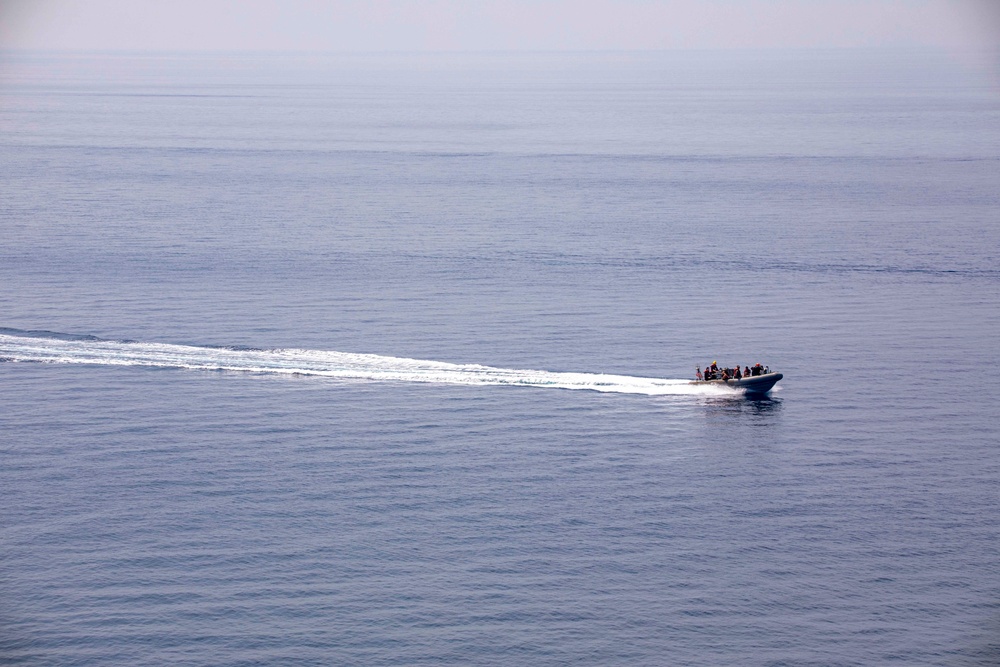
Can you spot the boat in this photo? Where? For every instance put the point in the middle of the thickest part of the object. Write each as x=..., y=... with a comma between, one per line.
x=753, y=384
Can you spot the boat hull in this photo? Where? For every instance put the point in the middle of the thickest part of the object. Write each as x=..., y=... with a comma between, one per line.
x=755, y=384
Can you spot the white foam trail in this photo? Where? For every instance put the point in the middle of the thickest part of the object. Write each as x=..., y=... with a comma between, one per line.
x=329, y=364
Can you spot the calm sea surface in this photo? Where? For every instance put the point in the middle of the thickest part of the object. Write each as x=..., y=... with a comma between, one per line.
x=378, y=360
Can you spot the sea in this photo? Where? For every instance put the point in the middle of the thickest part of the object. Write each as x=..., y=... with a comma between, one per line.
x=385, y=359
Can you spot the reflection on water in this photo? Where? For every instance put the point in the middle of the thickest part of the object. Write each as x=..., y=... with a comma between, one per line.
x=762, y=410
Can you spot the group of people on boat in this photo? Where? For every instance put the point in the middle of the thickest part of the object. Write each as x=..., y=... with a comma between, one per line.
x=713, y=372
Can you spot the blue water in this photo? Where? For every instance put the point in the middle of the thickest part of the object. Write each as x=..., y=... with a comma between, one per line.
x=382, y=359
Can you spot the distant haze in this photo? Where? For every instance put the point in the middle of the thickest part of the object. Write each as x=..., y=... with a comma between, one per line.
x=458, y=25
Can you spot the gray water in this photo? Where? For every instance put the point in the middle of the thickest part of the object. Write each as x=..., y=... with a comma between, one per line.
x=382, y=359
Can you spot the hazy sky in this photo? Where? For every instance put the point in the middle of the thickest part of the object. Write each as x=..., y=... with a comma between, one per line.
x=499, y=24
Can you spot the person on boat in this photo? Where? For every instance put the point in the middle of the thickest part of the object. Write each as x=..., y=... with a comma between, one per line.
x=714, y=367
x=746, y=372
x=697, y=373
x=736, y=374
x=725, y=374
x=708, y=373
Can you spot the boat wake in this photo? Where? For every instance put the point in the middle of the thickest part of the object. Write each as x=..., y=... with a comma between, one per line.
x=46, y=347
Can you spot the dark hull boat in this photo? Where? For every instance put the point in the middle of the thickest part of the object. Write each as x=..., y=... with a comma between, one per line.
x=755, y=384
